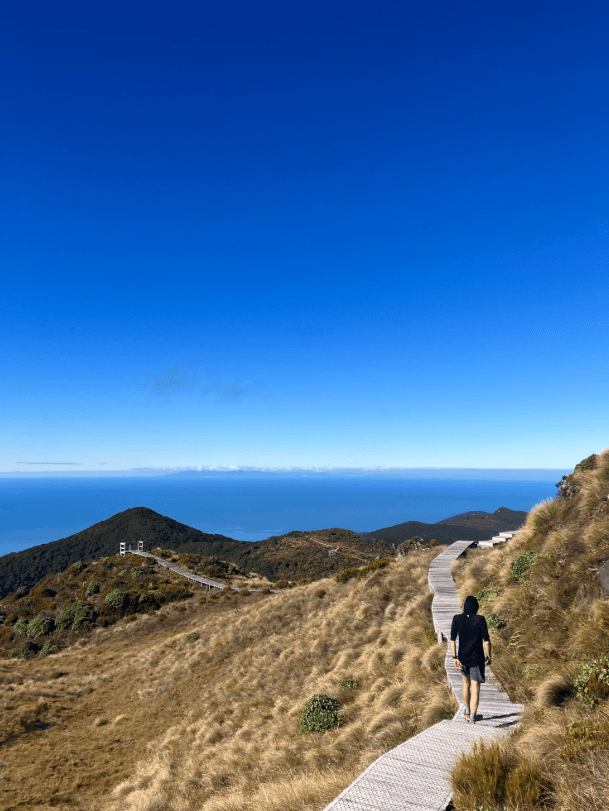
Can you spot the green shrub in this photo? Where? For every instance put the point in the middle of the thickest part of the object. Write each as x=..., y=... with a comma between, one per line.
x=20, y=627
x=592, y=682
x=347, y=684
x=487, y=594
x=136, y=572
x=47, y=649
x=11, y=653
x=494, y=621
x=116, y=600
x=77, y=566
x=159, y=597
x=319, y=714
x=520, y=566
x=84, y=617
x=192, y=637
x=123, y=572
x=65, y=618
x=92, y=588
x=39, y=626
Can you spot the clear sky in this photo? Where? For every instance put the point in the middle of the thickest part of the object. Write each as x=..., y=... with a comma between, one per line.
x=313, y=234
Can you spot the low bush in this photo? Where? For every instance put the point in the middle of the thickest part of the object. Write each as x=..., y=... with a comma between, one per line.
x=20, y=627
x=77, y=566
x=520, y=566
x=495, y=621
x=319, y=714
x=347, y=684
x=192, y=636
x=115, y=600
x=592, y=682
x=84, y=617
x=65, y=618
x=47, y=649
x=136, y=572
x=92, y=588
x=39, y=626
x=11, y=653
x=487, y=594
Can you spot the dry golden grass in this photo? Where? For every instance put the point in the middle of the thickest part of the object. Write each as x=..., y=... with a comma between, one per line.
x=557, y=620
x=141, y=719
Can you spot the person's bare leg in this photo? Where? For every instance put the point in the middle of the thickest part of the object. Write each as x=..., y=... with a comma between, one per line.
x=475, y=698
x=466, y=693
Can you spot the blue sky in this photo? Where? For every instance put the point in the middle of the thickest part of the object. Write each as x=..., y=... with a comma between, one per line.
x=339, y=234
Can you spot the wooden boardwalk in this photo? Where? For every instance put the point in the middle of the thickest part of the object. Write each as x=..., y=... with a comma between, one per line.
x=196, y=578
x=415, y=776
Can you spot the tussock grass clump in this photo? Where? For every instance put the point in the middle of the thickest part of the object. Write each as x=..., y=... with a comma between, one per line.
x=552, y=652
x=492, y=776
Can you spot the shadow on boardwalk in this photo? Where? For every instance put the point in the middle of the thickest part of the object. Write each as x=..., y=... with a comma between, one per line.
x=415, y=776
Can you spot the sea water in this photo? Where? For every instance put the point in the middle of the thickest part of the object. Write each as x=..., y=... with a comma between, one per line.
x=38, y=510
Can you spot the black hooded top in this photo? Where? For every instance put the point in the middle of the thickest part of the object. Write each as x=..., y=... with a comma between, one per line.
x=472, y=631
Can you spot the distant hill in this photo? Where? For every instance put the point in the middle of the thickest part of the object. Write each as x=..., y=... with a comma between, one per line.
x=502, y=520
x=475, y=525
x=291, y=557
x=101, y=540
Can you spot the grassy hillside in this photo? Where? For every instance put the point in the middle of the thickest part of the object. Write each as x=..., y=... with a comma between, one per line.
x=543, y=594
x=135, y=717
x=60, y=608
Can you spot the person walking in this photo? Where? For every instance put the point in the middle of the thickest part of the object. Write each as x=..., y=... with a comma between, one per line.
x=474, y=653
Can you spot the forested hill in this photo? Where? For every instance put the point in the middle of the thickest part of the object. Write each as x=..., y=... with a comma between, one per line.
x=312, y=554
x=137, y=524
x=475, y=525
x=291, y=557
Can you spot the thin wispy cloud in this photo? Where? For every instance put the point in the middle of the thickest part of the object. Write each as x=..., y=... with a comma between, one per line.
x=175, y=377
x=226, y=391
x=48, y=463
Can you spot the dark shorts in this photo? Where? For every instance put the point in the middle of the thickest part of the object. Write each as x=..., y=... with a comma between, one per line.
x=474, y=673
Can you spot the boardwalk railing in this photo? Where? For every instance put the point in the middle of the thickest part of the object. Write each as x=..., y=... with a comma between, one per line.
x=415, y=776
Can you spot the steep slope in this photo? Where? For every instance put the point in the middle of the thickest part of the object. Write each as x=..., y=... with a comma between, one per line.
x=542, y=595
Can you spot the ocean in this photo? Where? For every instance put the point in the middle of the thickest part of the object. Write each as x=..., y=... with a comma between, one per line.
x=38, y=510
